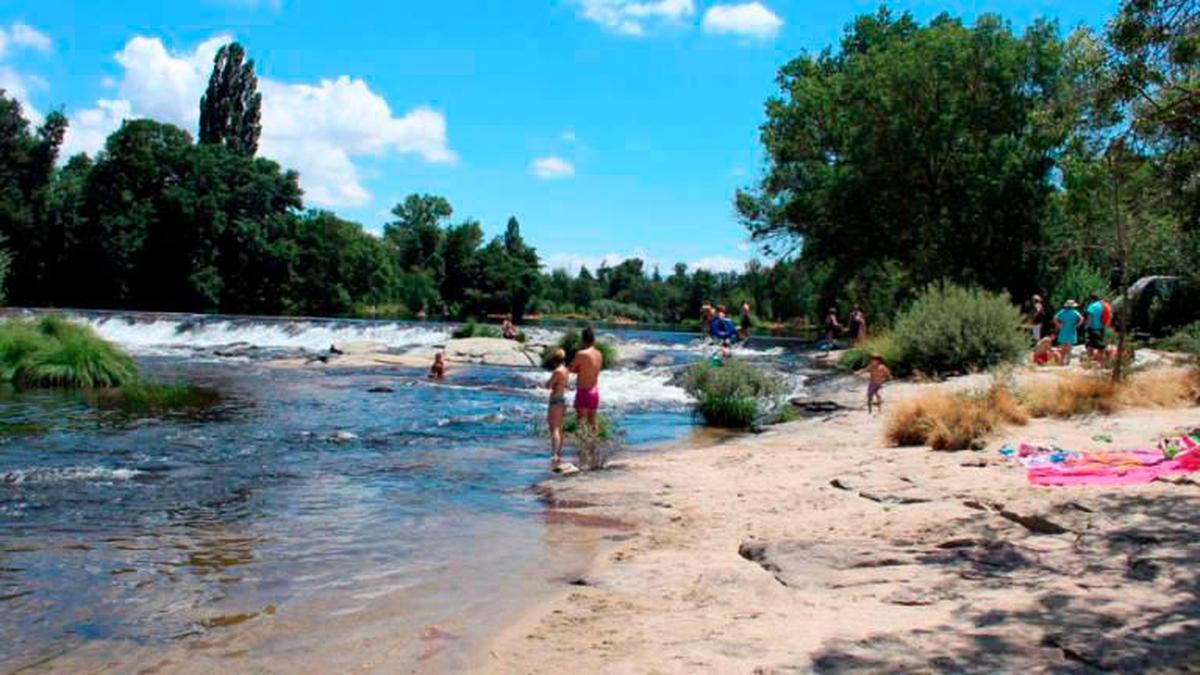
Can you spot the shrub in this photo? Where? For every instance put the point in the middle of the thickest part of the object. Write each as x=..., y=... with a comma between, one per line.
x=571, y=342
x=146, y=397
x=951, y=329
x=53, y=352
x=474, y=330
x=1185, y=340
x=857, y=358
x=607, y=310
x=19, y=341
x=1078, y=281
x=733, y=394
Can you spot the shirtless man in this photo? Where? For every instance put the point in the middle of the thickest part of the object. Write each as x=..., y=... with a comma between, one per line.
x=586, y=366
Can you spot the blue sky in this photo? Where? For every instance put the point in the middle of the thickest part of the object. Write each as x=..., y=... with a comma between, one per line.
x=608, y=127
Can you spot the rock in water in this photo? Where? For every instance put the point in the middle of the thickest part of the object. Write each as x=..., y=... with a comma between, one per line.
x=342, y=437
x=381, y=389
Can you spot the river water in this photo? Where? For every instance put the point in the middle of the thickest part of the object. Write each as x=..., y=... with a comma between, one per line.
x=302, y=494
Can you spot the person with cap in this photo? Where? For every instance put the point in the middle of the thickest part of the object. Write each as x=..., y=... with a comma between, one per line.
x=1068, y=321
x=831, y=330
x=1037, y=318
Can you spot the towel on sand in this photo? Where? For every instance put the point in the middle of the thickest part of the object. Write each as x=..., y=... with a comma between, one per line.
x=1128, y=467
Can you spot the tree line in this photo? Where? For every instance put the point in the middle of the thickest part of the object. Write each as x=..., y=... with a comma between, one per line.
x=1019, y=162
x=908, y=153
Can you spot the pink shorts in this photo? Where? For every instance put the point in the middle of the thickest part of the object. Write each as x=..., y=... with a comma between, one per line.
x=587, y=399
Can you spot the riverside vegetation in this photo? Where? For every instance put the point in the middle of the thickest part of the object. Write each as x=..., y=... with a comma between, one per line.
x=732, y=394
x=54, y=353
x=907, y=154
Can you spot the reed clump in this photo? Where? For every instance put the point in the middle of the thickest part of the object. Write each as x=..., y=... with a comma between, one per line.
x=52, y=352
x=946, y=421
x=949, y=421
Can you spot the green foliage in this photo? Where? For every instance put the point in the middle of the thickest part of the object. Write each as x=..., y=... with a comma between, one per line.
x=733, y=394
x=472, y=330
x=609, y=310
x=231, y=107
x=607, y=429
x=1186, y=340
x=951, y=329
x=1078, y=281
x=5, y=264
x=923, y=147
x=571, y=342
x=142, y=398
x=855, y=359
x=53, y=352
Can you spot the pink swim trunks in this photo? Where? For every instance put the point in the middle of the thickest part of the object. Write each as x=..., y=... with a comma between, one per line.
x=587, y=399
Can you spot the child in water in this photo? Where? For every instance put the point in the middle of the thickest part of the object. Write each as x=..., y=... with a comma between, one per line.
x=557, y=410
x=877, y=374
x=438, y=370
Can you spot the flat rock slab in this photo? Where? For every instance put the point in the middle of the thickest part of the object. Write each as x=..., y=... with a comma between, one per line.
x=488, y=352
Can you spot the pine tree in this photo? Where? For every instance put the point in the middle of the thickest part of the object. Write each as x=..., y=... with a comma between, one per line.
x=231, y=107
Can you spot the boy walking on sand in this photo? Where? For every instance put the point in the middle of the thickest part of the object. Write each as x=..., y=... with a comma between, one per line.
x=877, y=373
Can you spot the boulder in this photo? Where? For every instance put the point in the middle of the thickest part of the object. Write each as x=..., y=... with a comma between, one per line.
x=491, y=352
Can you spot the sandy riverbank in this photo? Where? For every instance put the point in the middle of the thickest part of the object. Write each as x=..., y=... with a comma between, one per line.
x=816, y=547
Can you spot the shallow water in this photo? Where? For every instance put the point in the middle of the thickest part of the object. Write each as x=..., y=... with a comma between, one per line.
x=301, y=491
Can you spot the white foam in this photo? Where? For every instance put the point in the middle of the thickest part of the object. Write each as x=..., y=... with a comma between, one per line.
x=624, y=388
x=67, y=474
x=165, y=336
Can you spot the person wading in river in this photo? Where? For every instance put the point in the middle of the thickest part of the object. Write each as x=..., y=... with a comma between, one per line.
x=586, y=367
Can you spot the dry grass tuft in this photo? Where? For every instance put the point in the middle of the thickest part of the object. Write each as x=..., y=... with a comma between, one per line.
x=953, y=422
x=945, y=421
x=1161, y=389
x=1073, y=395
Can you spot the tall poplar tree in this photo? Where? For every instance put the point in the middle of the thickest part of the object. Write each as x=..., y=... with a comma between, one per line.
x=231, y=107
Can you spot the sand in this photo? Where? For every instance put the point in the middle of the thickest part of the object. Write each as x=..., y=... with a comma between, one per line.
x=816, y=547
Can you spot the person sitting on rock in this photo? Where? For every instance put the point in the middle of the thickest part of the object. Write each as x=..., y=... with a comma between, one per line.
x=508, y=329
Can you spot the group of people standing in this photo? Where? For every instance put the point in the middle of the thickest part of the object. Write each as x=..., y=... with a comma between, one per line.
x=716, y=323
x=1055, y=337
x=856, y=327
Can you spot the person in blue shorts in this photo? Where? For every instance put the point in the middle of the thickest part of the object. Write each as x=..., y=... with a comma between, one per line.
x=1096, y=347
x=1068, y=321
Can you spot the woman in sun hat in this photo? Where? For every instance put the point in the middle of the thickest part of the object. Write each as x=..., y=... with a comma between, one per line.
x=1068, y=321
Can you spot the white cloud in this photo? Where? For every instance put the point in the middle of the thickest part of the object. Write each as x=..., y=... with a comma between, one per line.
x=23, y=35
x=568, y=136
x=16, y=85
x=750, y=19
x=631, y=17
x=316, y=129
x=552, y=168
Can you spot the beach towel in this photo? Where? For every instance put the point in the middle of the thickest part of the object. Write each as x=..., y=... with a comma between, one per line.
x=1047, y=465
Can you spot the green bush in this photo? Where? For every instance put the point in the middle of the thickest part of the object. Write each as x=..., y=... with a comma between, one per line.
x=732, y=394
x=571, y=342
x=951, y=329
x=607, y=430
x=474, y=330
x=53, y=352
x=1185, y=340
x=146, y=397
x=607, y=310
x=857, y=358
x=1077, y=282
